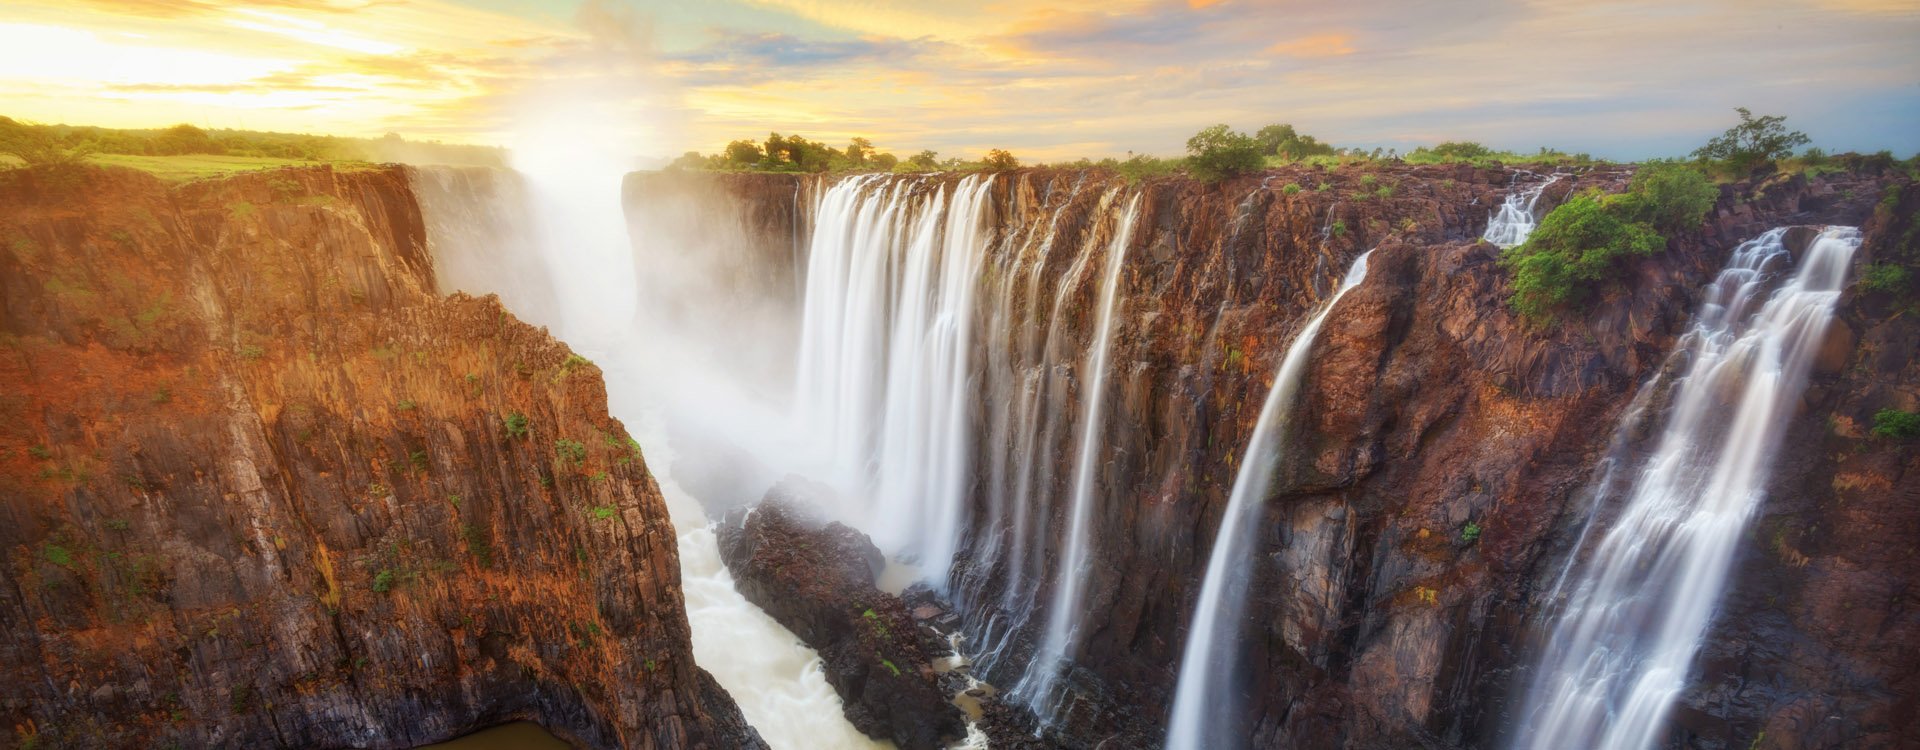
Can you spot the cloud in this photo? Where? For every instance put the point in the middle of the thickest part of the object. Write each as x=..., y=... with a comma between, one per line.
x=178, y=8
x=1315, y=46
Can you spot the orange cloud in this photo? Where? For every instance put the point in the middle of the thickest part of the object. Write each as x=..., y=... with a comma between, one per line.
x=1198, y=4
x=1331, y=44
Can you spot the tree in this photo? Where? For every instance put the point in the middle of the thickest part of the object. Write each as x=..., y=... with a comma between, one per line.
x=1219, y=152
x=1752, y=142
x=857, y=151
x=743, y=153
x=1272, y=137
x=38, y=147
x=776, y=150
x=1285, y=142
x=689, y=160
x=928, y=159
x=885, y=161
x=999, y=160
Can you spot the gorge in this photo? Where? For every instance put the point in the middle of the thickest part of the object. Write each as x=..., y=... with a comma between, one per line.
x=286, y=468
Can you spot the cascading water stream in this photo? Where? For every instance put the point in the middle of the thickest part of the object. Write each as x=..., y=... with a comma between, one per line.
x=1036, y=688
x=1516, y=218
x=885, y=371
x=1205, y=692
x=1637, y=610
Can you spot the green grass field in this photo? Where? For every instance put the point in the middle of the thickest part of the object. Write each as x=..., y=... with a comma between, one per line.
x=196, y=166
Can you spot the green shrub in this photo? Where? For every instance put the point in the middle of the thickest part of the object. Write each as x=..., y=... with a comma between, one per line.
x=38, y=146
x=1141, y=166
x=1884, y=277
x=604, y=512
x=1667, y=195
x=570, y=450
x=58, y=555
x=1896, y=424
x=383, y=581
x=517, y=425
x=1220, y=152
x=1339, y=228
x=1470, y=533
x=1576, y=245
x=1291, y=188
x=1000, y=160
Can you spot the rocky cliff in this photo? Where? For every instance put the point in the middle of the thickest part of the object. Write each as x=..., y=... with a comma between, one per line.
x=264, y=487
x=1434, y=476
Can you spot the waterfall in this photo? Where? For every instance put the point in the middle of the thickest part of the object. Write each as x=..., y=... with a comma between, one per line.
x=885, y=374
x=1515, y=220
x=1637, y=609
x=1065, y=611
x=1204, y=698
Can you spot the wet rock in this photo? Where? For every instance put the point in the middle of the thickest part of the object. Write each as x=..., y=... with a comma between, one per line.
x=818, y=579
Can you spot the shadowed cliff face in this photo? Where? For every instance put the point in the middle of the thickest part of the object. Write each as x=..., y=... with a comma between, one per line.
x=1377, y=619
x=263, y=487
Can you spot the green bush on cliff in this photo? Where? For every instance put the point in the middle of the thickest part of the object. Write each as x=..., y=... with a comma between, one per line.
x=1884, y=277
x=570, y=450
x=1574, y=247
x=1670, y=196
x=1896, y=424
x=39, y=147
x=1220, y=152
x=1577, y=245
x=516, y=424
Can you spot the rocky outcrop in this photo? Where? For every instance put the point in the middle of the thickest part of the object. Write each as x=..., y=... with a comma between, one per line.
x=264, y=488
x=818, y=580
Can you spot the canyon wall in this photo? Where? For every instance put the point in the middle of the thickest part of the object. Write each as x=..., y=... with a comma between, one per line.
x=265, y=487
x=1433, y=485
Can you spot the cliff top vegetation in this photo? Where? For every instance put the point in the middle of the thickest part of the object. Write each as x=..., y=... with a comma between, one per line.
x=185, y=152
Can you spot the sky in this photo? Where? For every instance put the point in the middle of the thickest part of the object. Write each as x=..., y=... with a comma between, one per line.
x=1046, y=79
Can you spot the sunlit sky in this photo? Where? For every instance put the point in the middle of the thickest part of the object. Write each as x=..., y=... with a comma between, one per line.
x=1048, y=79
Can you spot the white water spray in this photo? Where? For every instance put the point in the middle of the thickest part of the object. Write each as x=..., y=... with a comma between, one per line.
x=1516, y=218
x=1066, y=611
x=1204, y=706
x=1636, y=613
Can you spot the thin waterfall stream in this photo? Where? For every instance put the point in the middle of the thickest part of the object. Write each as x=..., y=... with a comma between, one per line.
x=1637, y=609
x=1204, y=701
x=1064, y=613
x=1518, y=215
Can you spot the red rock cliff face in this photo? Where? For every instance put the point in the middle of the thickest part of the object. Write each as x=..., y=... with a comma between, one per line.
x=1428, y=407
x=263, y=487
